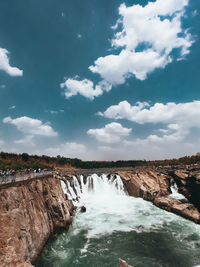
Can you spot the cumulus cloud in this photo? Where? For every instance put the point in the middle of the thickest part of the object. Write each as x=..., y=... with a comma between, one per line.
x=68, y=149
x=116, y=68
x=84, y=87
x=5, y=65
x=29, y=126
x=27, y=140
x=148, y=36
x=181, y=113
x=179, y=118
x=171, y=136
x=111, y=133
x=145, y=39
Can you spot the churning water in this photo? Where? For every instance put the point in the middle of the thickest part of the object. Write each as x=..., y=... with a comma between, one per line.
x=116, y=225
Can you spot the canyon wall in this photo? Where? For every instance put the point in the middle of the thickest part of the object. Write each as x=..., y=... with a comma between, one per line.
x=30, y=212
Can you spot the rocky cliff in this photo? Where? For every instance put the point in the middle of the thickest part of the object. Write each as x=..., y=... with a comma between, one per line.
x=189, y=184
x=30, y=212
x=154, y=186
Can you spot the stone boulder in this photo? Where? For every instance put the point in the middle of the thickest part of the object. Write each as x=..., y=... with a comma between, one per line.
x=123, y=263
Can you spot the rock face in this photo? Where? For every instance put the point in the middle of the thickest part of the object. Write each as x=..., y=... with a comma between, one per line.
x=154, y=186
x=30, y=213
x=147, y=184
x=189, y=185
x=123, y=263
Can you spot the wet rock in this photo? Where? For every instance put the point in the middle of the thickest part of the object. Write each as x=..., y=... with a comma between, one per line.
x=188, y=183
x=82, y=209
x=123, y=263
x=146, y=184
x=153, y=186
x=185, y=210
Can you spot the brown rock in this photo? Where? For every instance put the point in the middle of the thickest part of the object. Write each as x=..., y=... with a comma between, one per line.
x=146, y=184
x=181, y=174
x=188, y=183
x=185, y=210
x=152, y=186
x=30, y=213
x=123, y=263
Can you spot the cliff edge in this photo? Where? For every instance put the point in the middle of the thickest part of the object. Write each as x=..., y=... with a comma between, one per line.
x=30, y=212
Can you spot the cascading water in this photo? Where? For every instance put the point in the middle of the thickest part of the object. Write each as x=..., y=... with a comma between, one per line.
x=175, y=194
x=117, y=225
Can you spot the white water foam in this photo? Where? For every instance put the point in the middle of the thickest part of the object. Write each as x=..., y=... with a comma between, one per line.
x=110, y=209
x=175, y=194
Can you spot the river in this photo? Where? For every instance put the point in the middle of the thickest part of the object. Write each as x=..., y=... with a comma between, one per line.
x=116, y=225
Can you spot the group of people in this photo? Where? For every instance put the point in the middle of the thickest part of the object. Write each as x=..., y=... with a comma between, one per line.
x=10, y=174
x=6, y=174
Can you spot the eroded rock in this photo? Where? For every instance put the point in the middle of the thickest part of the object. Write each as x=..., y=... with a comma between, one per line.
x=30, y=213
x=153, y=186
x=189, y=185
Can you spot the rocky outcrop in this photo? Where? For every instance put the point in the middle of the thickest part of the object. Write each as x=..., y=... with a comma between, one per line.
x=30, y=213
x=123, y=263
x=154, y=186
x=185, y=210
x=147, y=184
x=188, y=183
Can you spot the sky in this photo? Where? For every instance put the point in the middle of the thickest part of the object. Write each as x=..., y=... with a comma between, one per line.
x=100, y=79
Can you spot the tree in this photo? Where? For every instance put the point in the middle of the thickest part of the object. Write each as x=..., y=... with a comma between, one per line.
x=25, y=156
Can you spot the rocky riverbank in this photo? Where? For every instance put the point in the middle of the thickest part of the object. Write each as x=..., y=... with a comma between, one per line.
x=30, y=213
x=155, y=186
x=32, y=210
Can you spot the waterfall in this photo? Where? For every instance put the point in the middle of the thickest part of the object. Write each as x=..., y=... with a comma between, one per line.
x=175, y=194
x=118, y=225
x=76, y=190
x=108, y=207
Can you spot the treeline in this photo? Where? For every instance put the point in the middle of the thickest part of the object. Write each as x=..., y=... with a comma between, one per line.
x=187, y=160
x=26, y=161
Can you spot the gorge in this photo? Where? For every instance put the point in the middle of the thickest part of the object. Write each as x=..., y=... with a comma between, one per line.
x=115, y=225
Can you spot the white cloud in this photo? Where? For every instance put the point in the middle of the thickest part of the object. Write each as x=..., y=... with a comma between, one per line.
x=12, y=107
x=27, y=140
x=53, y=112
x=111, y=133
x=31, y=126
x=68, y=149
x=171, y=136
x=84, y=87
x=116, y=68
x=146, y=38
x=181, y=113
x=179, y=118
x=156, y=27
x=5, y=66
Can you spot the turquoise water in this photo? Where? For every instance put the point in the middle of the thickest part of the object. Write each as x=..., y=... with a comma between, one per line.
x=116, y=225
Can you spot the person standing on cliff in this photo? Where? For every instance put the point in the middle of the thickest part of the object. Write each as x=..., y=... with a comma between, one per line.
x=13, y=176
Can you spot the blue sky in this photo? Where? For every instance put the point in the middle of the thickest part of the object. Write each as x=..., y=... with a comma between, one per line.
x=100, y=79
